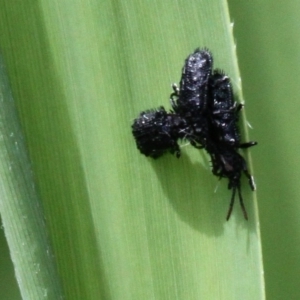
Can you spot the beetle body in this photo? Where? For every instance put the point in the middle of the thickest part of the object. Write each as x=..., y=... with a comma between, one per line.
x=189, y=101
x=157, y=132
x=204, y=113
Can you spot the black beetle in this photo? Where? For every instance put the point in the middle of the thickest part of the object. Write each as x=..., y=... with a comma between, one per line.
x=228, y=163
x=189, y=101
x=204, y=113
x=157, y=131
x=223, y=111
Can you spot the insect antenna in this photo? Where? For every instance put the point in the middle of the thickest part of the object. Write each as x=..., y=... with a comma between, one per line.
x=242, y=203
x=231, y=203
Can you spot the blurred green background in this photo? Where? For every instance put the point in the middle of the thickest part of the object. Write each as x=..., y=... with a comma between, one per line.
x=267, y=37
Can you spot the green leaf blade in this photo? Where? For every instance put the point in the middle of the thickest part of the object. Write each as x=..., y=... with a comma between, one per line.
x=124, y=226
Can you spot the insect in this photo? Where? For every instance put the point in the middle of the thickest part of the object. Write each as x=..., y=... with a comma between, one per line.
x=205, y=113
x=189, y=101
x=223, y=111
x=228, y=163
x=157, y=131
x=192, y=92
x=225, y=137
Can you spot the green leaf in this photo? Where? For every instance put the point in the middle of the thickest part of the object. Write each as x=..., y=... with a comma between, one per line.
x=123, y=226
x=21, y=209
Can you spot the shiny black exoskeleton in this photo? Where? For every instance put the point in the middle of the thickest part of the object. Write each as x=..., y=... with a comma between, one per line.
x=189, y=101
x=192, y=93
x=225, y=137
x=205, y=114
x=157, y=132
x=224, y=111
x=228, y=163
